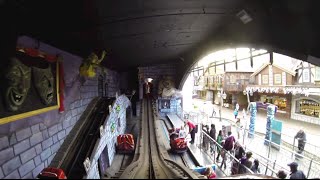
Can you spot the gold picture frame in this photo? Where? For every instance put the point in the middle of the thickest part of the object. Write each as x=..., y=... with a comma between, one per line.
x=16, y=117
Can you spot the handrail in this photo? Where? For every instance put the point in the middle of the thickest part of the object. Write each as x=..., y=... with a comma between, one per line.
x=231, y=155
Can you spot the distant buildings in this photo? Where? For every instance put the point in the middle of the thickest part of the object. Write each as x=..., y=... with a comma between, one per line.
x=293, y=87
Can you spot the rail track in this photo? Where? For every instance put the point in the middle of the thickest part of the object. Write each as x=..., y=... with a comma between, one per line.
x=84, y=144
x=150, y=163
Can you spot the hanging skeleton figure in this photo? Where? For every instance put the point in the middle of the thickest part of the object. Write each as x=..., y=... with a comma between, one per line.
x=89, y=65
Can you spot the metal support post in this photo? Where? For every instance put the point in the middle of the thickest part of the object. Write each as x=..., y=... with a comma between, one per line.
x=309, y=168
x=274, y=165
x=269, y=149
x=293, y=152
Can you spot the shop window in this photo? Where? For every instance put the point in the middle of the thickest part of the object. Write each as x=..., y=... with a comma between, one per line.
x=277, y=78
x=306, y=75
x=265, y=79
x=317, y=74
x=308, y=107
x=232, y=79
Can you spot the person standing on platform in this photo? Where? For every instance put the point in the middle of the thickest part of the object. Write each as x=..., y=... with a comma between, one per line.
x=238, y=126
x=219, y=145
x=301, y=136
x=212, y=134
x=236, y=111
x=192, y=130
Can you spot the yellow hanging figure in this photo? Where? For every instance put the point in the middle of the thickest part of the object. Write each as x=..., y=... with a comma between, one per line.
x=89, y=65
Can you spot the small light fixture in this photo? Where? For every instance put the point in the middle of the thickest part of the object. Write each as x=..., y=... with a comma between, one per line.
x=244, y=17
x=149, y=80
x=224, y=96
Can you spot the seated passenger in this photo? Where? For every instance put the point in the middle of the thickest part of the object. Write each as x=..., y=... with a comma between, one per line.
x=182, y=133
x=209, y=173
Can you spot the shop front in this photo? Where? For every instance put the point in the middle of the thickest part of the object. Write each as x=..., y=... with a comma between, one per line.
x=282, y=101
x=306, y=109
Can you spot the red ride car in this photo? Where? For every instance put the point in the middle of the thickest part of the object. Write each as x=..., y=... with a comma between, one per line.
x=125, y=143
x=178, y=142
x=52, y=173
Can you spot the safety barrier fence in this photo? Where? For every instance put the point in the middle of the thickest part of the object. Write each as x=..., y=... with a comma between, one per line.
x=272, y=157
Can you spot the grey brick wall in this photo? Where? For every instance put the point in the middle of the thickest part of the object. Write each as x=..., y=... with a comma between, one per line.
x=29, y=145
x=24, y=153
x=155, y=72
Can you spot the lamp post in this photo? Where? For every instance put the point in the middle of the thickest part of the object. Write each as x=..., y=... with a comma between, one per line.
x=246, y=93
x=222, y=95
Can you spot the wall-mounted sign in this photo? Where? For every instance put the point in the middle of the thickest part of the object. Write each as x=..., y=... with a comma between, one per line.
x=113, y=127
x=87, y=164
x=101, y=131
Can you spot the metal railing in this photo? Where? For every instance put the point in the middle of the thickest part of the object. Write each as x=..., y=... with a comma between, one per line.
x=272, y=157
x=230, y=160
x=278, y=154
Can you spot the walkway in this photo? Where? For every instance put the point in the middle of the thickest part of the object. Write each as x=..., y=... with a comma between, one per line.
x=202, y=157
x=256, y=144
x=289, y=127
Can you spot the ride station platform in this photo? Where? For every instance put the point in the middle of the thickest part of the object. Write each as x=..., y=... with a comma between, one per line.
x=203, y=158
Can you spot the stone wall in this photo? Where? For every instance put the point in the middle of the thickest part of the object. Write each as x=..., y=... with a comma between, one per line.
x=114, y=125
x=29, y=145
x=155, y=72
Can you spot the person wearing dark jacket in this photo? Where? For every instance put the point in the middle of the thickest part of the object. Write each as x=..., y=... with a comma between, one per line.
x=301, y=136
x=212, y=134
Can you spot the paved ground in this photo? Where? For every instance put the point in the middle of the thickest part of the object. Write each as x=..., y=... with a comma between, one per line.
x=289, y=128
x=281, y=156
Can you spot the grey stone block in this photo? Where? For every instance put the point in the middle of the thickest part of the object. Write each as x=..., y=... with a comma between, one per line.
x=23, y=134
x=72, y=106
x=21, y=146
x=35, y=128
x=28, y=176
x=55, y=138
x=38, y=148
x=45, y=154
x=68, y=130
x=27, y=155
x=51, y=157
x=13, y=139
x=55, y=147
x=68, y=115
x=1, y=174
x=4, y=142
x=42, y=126
x=53, y=130
x=13, y=175
x=47, y=143
x=61, y=141
x=11, y=165
x=74, y=112
x=45, y=134
x=26, y=168
x=66, y=123
x=73, y=120
x=37, y=160
x=37, y=170
x=59, y=126
x=36, y=138
x=61, y=134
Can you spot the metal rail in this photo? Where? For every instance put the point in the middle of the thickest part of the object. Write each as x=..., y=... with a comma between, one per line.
x=73, y=164
x=151, y=164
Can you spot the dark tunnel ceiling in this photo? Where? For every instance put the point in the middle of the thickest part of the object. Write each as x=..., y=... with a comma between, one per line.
x=141, y=32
